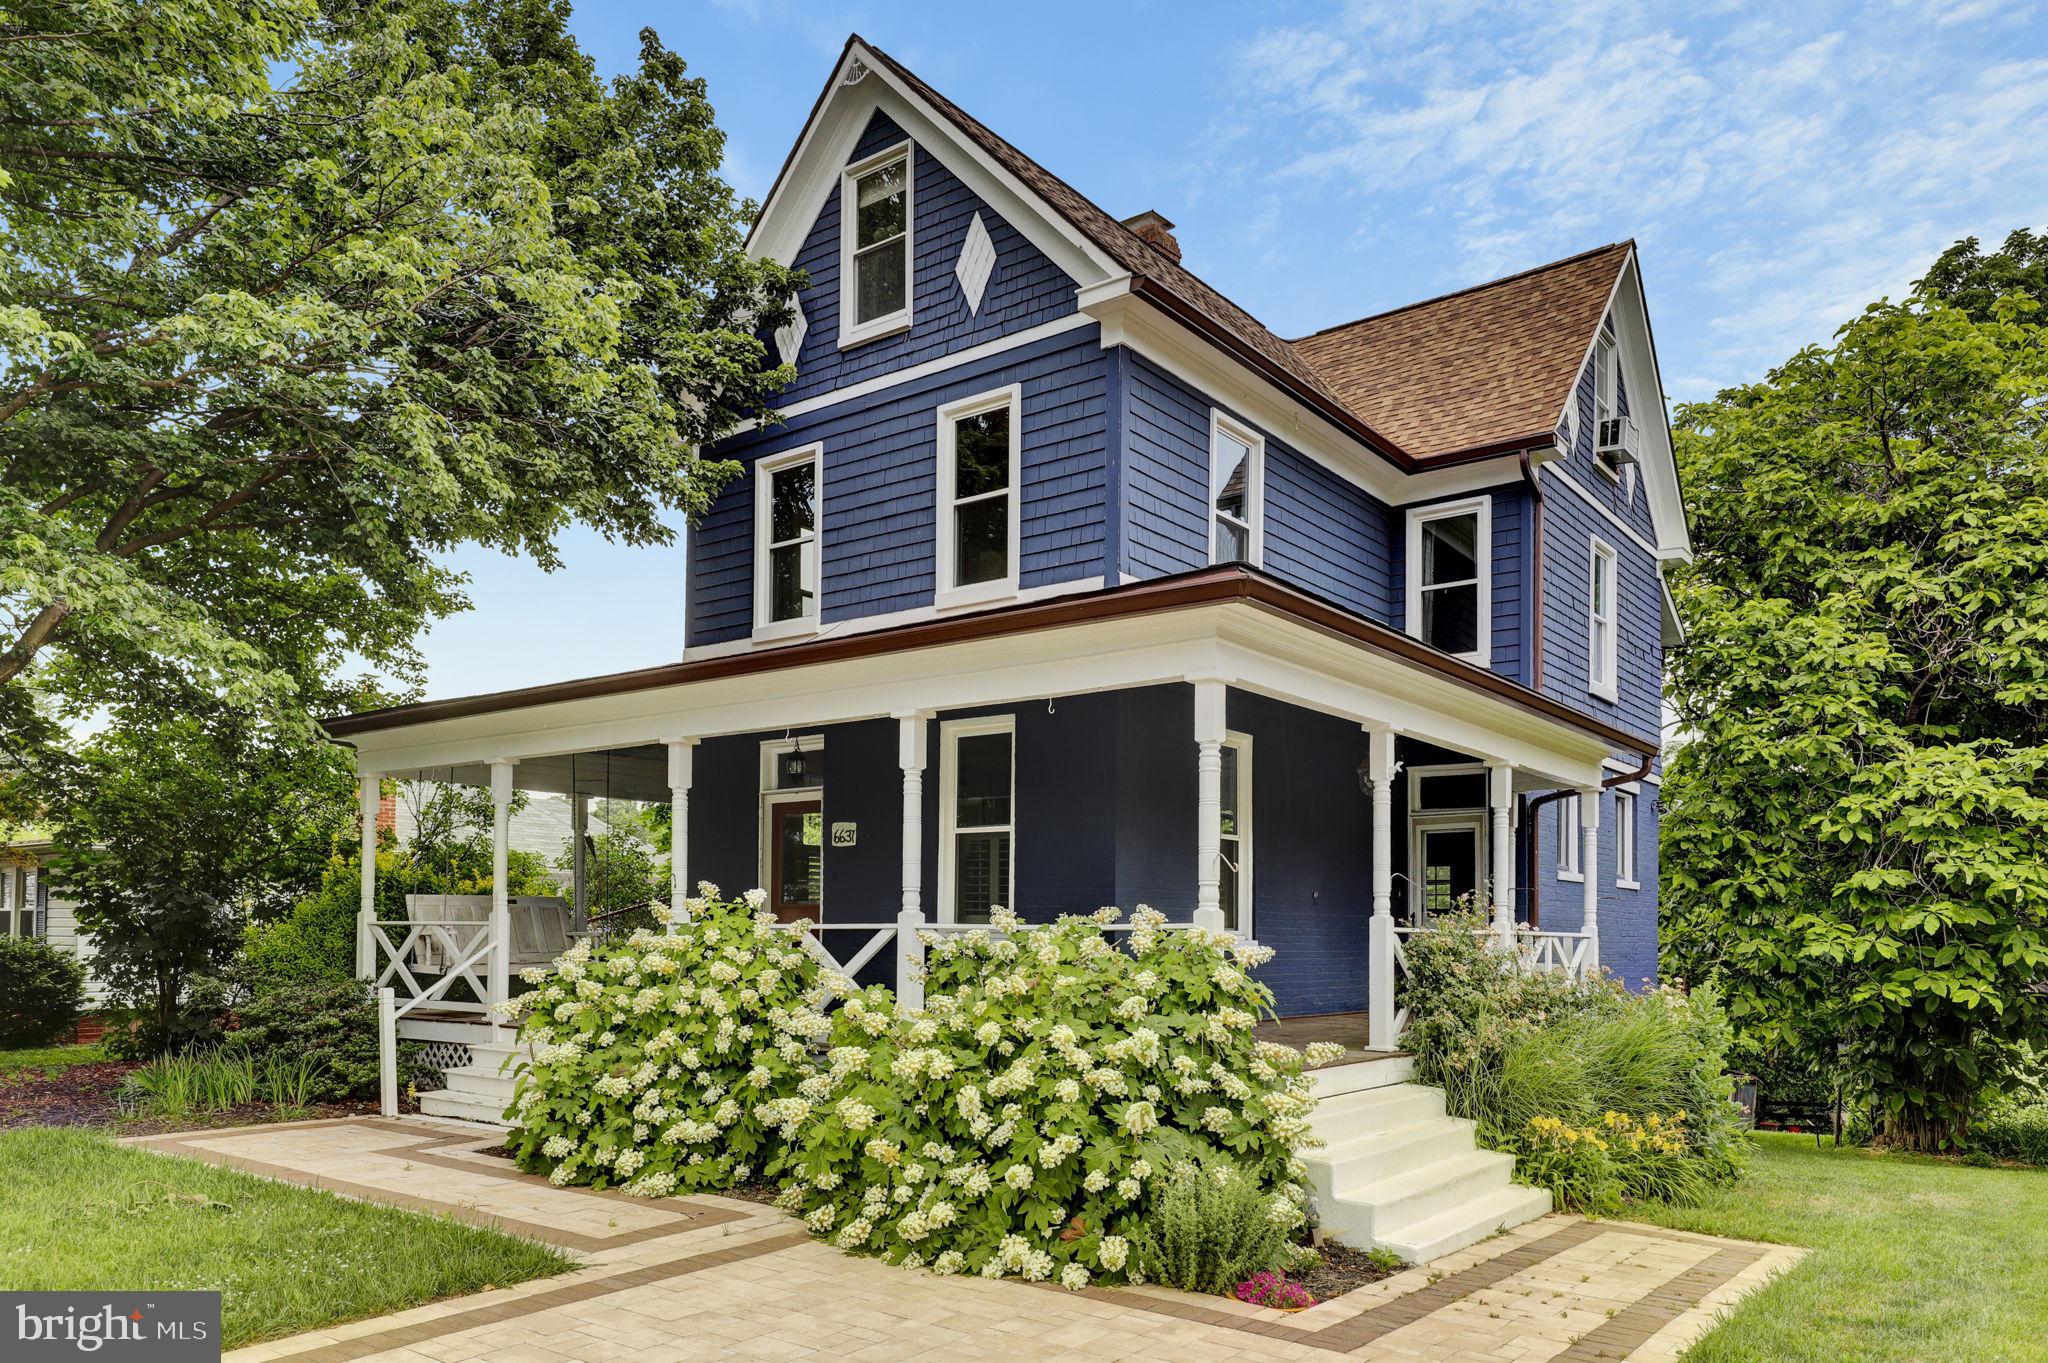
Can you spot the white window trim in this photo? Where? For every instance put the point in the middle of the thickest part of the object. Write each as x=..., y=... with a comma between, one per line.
x=948, y=593
x=951, y=731
x=1437, y=821
x=764, y=470
x=1255, y=484
x=1420, y=516
x=772, y=748
x=1607, y=404
x=1241, y=743
x=1607, y=689
x=850, y=333
x=1416, y=774
x=1570, y=844
x=1625, y=841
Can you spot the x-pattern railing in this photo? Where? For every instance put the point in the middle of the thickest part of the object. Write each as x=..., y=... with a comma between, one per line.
x=426, y=944
x=1566, y=952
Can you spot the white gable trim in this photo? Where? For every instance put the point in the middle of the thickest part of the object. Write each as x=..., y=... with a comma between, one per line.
x=861, y=84
x=1637, y=353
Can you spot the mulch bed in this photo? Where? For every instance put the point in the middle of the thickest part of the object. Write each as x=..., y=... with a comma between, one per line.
x=1342, y=1270
x=84, y=1095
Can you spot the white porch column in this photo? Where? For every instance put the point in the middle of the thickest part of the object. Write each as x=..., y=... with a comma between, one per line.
x=1589, y=865
x=1209, y=733
x=1501, y=790
x=682, y=770
x=911, y=738
x=500, y=982
x=370, y=797
x=1380, y=931
x=579, y=860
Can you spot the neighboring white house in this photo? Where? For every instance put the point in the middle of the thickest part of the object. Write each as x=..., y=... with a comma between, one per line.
x=30, y=908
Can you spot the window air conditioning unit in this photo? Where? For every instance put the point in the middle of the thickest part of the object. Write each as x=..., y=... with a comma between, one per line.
x=1619, y=440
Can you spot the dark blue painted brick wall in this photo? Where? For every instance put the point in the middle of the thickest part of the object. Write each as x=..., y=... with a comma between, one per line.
x=1628, y=918
x=1025, y=289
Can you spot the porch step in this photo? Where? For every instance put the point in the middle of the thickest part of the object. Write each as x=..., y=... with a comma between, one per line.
x=1395, y=1172
x=469, y=1107
x=1332, y=1080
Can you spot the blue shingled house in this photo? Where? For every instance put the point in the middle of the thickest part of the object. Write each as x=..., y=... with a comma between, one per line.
x=1063, y=582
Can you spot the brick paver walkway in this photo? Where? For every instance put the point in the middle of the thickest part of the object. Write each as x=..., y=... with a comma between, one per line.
x=714, y=1278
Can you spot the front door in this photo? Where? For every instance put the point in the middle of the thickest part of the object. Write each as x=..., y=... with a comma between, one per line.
x=796, y=865
x=1447, y=867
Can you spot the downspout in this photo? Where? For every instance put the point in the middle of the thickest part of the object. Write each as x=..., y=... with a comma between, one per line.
x=1535, y=589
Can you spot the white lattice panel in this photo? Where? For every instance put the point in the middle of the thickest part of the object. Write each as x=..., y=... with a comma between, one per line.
x=977, y=263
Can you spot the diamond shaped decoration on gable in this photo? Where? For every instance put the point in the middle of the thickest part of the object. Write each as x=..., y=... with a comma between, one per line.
x=977, y=262
x=789, y=337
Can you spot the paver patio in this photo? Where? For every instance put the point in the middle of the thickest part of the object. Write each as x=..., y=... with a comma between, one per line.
x=714, y=1278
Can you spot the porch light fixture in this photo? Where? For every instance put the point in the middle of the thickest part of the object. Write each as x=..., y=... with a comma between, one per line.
x=797, y=767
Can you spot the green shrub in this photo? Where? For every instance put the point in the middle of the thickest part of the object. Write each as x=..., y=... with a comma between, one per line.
x=199, y=1020
x=665, y=1063
x=1208, y=1229
x=42, y=992
x=333, y=1023
x=1603, y=1096
x=2014, y=1133
x=1025, y=1120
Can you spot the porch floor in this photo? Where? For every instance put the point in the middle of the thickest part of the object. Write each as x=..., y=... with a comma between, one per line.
x=1346, y=1029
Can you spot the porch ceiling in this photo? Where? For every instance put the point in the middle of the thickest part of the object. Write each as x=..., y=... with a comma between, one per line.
x=636, y=773
x=1232, y=624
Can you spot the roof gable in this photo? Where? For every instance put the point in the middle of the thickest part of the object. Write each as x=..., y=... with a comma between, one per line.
x=1486, y=368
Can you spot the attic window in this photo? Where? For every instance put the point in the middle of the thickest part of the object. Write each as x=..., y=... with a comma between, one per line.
x=874, y=242
x=1606, y=398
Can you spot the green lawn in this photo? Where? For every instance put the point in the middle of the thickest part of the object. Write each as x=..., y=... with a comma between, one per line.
x=49, y=1059
x=79, y=1212
x=1913, y=1260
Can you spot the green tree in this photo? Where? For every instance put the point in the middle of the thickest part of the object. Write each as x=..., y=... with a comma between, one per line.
x=172, y=838
x=294, y=296
x=1854, y=829
x=1965, y=277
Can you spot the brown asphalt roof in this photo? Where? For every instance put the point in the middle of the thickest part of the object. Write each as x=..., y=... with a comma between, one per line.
x=1453, y=378
x=1486, y=367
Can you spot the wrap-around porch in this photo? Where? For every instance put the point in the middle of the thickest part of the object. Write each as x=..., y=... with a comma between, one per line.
x=1228, y=756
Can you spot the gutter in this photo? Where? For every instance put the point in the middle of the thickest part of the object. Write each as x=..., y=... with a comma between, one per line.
x=1529, y=809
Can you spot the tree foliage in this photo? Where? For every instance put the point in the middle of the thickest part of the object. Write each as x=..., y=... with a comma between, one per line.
x=294, y=296
x=1854, y=832
x=1965, y=277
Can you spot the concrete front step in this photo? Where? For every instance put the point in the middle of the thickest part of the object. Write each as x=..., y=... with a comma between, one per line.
x=482, y=1084
x=1448, y=1232
x=1332, y=1080
x=1396, y=1172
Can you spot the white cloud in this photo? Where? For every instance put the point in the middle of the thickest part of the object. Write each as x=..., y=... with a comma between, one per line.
x=1781, y=165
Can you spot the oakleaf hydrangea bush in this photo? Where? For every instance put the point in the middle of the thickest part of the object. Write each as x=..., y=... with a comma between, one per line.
x=668, y=1063
x=1055, y=1083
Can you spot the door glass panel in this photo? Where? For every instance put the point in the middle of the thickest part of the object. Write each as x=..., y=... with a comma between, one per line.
x=799, y=860
x=1450, y=867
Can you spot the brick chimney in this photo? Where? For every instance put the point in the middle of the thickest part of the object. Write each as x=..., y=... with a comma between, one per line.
x=1155, y=231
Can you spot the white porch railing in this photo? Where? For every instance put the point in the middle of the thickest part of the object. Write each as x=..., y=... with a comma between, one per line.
x=1567, y=952
x=445, y=949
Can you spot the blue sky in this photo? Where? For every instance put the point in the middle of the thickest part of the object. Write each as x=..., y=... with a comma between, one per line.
x=1779, y=165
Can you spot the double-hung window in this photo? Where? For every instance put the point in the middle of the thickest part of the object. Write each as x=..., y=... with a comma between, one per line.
x=977, y=496
x=1625, y=841
x=874, y=246
x=1571, y=840
x=786, y=543
x=977, y=809
x=1602, y=621
x=1236, y=486
x=1450, y=577
x=1606, y=397
x=1236, y=868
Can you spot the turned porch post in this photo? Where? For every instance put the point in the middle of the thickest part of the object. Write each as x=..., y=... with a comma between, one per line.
x=1380, y=931
x=500, y=983
x=1209, y=734
x=682, y=769
x=371, y=793
x=1501, y=795
x=1589, y=865
x=911, y=735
